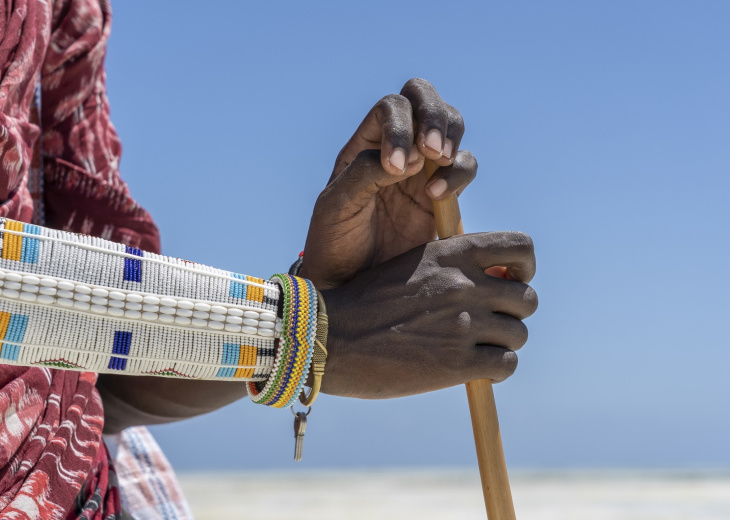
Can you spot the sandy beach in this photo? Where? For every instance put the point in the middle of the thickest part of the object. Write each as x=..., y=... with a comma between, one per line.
x=426, y=494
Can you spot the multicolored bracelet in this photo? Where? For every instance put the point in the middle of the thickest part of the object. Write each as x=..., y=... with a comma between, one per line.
x=296, y=344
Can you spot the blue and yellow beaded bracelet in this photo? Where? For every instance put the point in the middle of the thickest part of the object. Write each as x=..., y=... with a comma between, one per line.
x=296, y=344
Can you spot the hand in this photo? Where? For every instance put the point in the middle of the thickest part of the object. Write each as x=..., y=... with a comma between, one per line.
x=431, y=318
x=377, y=204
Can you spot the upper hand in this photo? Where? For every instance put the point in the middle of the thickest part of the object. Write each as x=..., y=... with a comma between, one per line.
x=377, y=204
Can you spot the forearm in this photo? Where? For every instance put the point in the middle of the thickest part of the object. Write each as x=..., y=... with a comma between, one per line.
x=81, y=303
x=132, y=401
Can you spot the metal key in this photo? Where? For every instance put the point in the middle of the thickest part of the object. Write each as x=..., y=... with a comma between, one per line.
x=300, y=426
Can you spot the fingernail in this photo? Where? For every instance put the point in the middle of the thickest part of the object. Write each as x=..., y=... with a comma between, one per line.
x=438, y=188
x=448, y=148
x=398, y=159
x=433, y=141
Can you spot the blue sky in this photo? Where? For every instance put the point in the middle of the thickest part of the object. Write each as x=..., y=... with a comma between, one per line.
x=601, y=129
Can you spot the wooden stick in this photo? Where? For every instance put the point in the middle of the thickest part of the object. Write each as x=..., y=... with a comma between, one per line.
x=483, y=410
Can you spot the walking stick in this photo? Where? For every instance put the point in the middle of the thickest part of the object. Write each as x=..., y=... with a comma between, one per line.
x=483, y=410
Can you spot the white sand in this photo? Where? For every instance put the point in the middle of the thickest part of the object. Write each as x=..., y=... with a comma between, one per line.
x=447, y=493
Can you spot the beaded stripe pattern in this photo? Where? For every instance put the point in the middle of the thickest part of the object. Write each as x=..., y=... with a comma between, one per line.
x=82, y=303
x=296, y=345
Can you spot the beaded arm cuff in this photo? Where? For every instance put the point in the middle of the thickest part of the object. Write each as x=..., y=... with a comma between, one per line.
x=82, y=303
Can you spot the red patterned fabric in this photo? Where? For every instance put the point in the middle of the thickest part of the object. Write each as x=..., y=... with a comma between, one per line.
x=53, y=464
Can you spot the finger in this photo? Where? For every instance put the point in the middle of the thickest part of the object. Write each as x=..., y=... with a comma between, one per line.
x=510, y=249
x=388, y=127
x=359, y=182
x=439, y=126
x=454, y=178
x=512, y=298
x=501, y=330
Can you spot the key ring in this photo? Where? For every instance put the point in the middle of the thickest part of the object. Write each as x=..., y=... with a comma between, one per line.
x=309, y=409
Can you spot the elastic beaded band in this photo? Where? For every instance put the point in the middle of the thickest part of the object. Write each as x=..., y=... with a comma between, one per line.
x=319, y=359
x=296, y=344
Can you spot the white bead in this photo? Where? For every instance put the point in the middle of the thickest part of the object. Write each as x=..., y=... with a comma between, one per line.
x=232, y=311
x=184, y=304
x=29, y=297
x=48, y=282
x=30, y=288
x=98, y=300
x=48, y=290
x=135, y=298
x=66, y=286
x=151, y=308
x=65, y=302
x=99, y=309
x=2, y=283
x=83, y=289
x=217, y=317
x=135, y=315
x=30, y=279
x=168, y=302
x=82, y=306
x=199, y=323
x=11, y=293
x=166, y=318
x=250, y=323
x=186, y=313
x=267, y=316
x=2, y=274
x=133, y=306
x=13, y=285
x=100, y=292
x=151, y=300
x=116, y=295
x=218, y=309
x=181, y=320
x=267, y=333
x=167, y=310
x=44, y=298
x=215, y=325
x=236, y=320
x=230, y=327
x=62, y=293
x=248, y=330
x=201, y=315
x=251, y=314
x=13, y=277
x=279, y=326
x=115, y=311
x=200, y=306
x=82, y=297
x=266, y=325
x=149, y=316
x=116, y=303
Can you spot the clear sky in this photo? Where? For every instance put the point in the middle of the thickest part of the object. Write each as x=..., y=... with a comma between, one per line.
x=601, y=128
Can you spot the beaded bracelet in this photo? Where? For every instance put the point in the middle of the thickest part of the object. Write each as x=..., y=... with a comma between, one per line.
x=296, y=344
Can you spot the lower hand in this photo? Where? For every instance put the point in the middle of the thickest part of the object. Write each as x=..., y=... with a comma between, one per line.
x=431, y=318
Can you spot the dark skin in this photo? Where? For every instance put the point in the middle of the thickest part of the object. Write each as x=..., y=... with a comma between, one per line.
x=407, y=315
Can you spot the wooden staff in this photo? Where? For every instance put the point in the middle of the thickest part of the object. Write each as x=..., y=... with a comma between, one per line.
x=483, y=410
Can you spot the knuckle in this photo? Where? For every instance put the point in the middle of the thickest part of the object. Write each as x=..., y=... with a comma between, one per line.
x=415, y=84
x=517, y=240
x=393, y=102
x=456, y=121
x=530, y=300
x=520, y=334
x=506, y=367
